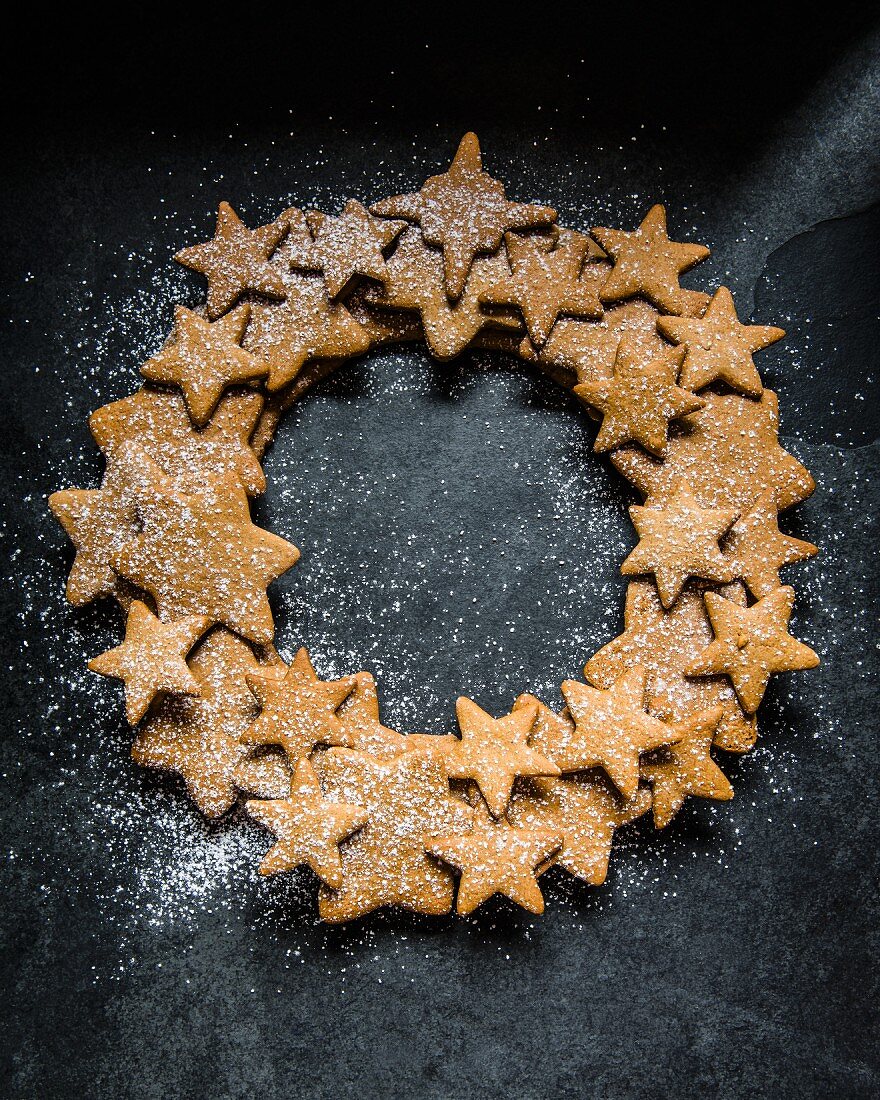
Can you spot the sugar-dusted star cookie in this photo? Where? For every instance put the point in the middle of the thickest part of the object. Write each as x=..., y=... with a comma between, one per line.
x=152, y=659
x=494, y=751
x=751, y=643
x=406, y=798
x=464, y=212
x=638, y=401
x=159, y=423
x=612, y=729
x=586, y=809
x=309, y=828
x=361, y=725
x=307, y=325
x=203, y=358
x=686, y=768
x=236, y=260
x=298, y=711
x=680, y=540
x=198, y=738
x=648, y=263
x=199, y=554
x=548, y=279
x=343, y=248
x=718, y=346
x=495, y=857
x=758, y=549
x=100, y=521
x=666, y=643
x=730, y=454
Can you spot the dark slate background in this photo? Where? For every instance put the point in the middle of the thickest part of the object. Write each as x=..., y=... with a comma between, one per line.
x=736, y=955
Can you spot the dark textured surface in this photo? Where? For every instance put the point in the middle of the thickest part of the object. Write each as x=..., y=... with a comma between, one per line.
x=734, y=955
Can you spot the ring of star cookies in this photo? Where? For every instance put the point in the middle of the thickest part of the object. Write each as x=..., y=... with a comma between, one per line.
x=423, y=822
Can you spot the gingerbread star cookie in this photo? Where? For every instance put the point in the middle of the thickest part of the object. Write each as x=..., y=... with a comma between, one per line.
x=648, y=263
x=638, y=401
x=406, y=799
x=758, y=549
x=152, y=659
x=361, y=725
x=203, y=359
x=678, y=541
x=612, y=729
x=718, y=346
x=308, y=827
x=495, y=857
x=236, y=260
x=587, y=810
x=548, y=279
x=686, y=768
x=751, y=643
x=298, y=711
x=160, y=424
x=464, y=212
x=199, y=737
x=494, y=751
x=343, y=248
x=199, y=554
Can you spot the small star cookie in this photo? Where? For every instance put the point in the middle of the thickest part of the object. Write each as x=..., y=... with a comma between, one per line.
x=758, y=549
x=686, y=768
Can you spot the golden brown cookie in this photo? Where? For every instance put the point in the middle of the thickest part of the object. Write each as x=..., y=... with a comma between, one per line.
x=495, y=857
x=361, y=726
x=758, y=549
x=686, y=768
x=549, y=279
x=152, y=659
x=203, y=359
x=342, y=248
x=751, y=643
x=648, y=263
x=199, y=737
x=678, y=541
x=159, y=423
x=236, y=260
x=297, y=711
x=718, y=346
x=406, y=798
x=199, y=554
x=464, y=212
x=638, y=401
x=586, y=809
x=612, y=729
x=494, y=751
x=308, y=827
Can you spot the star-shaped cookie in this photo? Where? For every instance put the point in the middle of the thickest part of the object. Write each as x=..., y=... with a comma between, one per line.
x=548, y=279
x=587, y=810
x=361, y=724
x=203, y=359
x=343, y=248
x=494, y=751
x=159, y=423
x=718, y=346
x=236, y=260
x=758, y=549
x=686, y=769
x=648, y=263
x=612, y=729
x=680, y=540
x=495, y=857
x=152, y=659
x=751, y=643
x=199, y=737
x=298, y=711
x=199, y=554
x=308, y=827
x=406, y=798
x=464, y=212
x=638, y=401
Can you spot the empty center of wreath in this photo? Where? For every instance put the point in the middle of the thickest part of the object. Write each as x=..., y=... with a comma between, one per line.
x=457, y=533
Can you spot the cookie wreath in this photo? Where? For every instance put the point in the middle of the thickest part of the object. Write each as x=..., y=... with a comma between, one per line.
x=381, y=817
